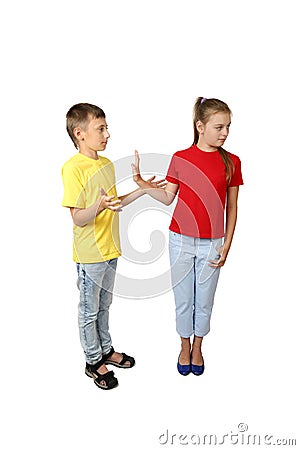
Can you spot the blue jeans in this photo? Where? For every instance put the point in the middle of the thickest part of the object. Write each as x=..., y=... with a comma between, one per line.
x=95, y=282
x=194, y=282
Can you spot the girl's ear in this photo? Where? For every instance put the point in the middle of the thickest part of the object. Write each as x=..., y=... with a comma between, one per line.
x=199, y=126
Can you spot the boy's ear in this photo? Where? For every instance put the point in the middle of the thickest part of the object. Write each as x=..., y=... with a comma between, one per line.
x=78, y=133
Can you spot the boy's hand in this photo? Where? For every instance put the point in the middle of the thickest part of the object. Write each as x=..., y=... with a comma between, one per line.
x=107, y=202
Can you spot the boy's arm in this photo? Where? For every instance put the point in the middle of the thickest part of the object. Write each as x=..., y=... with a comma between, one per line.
x=165, y=195
x=82, y=216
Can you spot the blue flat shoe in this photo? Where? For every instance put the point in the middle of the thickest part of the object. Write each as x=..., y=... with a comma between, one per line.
x=184, y=369
x=197, y=370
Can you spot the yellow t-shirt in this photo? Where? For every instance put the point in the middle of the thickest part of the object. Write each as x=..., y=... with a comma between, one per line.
x=83, y=177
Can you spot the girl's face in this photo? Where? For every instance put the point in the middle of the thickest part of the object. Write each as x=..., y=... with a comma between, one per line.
x=214, y=133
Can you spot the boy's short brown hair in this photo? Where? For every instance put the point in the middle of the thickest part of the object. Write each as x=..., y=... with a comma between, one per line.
x=79, y=115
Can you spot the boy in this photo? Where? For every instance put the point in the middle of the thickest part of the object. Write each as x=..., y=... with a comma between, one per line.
x=90, y=193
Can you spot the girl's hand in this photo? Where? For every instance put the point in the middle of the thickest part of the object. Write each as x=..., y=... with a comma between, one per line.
x=217, y=263
x=107, y=202
x=160, y=184
x=150, y=183
x=136, y=168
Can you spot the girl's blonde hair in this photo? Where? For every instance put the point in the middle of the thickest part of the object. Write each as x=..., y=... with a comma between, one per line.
x=204, y=108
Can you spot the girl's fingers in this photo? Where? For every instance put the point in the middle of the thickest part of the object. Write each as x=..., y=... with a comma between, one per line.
x=137, y=158
x=134, y=169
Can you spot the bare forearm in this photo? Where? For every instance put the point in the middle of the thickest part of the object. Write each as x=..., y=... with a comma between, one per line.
x=82, y=217
x=231, y=217
x=129, y=198
x=162, y=195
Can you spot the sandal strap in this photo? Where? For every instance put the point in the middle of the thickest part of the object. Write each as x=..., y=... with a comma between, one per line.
x=96, y=366
x=111, y=352
x=126, y=358
x=108, y=378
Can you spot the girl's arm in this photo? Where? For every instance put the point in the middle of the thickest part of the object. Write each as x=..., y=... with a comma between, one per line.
x=129, y=198
x=231, y=216
x=165, y=195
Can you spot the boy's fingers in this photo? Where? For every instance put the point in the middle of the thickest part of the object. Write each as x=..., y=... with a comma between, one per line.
x=116, y=208
x=115, y=202
x=102, y=191
x=151, y=179
x=109, y=199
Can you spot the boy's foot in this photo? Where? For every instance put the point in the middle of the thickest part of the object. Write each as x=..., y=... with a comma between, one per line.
x=119, y=359
x=103, y=378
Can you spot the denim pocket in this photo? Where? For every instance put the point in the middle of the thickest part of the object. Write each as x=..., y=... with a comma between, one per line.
x=213, y=255
x=175, y=246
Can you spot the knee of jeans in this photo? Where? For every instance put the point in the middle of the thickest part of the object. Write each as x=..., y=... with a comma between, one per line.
x=105, y=300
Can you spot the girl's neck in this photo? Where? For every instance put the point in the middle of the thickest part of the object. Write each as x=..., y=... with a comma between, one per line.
x=205, y=147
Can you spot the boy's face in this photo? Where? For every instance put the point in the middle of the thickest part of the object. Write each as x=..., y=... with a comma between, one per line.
x=94, y=138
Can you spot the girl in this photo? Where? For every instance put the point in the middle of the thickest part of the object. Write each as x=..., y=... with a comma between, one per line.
x=206, y=178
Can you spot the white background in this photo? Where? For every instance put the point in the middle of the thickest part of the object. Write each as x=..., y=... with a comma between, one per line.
x=145, y=63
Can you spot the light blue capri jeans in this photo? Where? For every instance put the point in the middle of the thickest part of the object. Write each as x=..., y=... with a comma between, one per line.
x=194, y=282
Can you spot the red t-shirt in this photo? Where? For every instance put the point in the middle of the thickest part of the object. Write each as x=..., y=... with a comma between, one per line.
x=202, y=191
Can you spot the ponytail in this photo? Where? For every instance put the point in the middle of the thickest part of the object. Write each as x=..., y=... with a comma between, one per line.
x=203, y=109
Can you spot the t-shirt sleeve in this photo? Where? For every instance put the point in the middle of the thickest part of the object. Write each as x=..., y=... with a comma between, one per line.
x=237, y=178
x=172, y=175
x=73, y=188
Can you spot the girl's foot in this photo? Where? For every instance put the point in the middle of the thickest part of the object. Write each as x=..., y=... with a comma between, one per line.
x=185, y=357
x=196, y=357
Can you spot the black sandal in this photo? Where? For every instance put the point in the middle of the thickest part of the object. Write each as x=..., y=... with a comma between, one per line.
x=122, y=363
x=108, y=378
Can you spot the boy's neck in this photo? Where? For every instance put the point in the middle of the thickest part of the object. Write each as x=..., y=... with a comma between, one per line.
x=89, y=153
